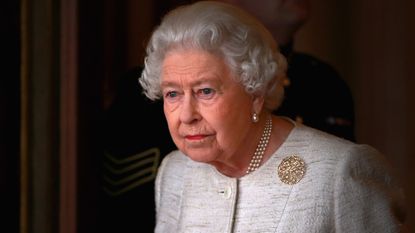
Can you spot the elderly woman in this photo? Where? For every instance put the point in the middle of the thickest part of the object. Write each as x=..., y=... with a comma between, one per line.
x=239, y=168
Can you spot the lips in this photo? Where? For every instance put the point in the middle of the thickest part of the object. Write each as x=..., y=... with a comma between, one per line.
x=195, y=137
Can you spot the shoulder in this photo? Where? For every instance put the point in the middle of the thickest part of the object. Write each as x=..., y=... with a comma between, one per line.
x=311, y=62
x=168, y=190
x=170, y=175
x=303, y=64
x=332, y=153
x=318, y=141
x=173, y=165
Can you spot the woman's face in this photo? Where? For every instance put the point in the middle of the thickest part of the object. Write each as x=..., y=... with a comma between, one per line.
x=208, y=113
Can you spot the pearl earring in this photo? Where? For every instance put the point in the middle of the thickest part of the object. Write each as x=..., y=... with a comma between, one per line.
x=255, y=118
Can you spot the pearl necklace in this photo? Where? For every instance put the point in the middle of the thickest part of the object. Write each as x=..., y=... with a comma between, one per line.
x=260, y=149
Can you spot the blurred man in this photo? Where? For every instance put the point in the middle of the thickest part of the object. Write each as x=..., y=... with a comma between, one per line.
x=315, y=94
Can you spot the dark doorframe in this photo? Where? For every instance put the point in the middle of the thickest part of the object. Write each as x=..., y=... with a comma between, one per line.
x=10, y=115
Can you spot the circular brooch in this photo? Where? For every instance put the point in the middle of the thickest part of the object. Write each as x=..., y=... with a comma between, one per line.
x=291, y=169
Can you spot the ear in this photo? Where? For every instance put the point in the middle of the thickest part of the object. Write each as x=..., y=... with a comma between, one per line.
x=257, y=103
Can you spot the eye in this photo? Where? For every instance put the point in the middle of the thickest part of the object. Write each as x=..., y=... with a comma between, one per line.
x=206, y=93
x=171, y=94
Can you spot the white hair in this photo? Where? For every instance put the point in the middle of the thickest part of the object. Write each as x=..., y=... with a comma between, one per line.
x=223, y=30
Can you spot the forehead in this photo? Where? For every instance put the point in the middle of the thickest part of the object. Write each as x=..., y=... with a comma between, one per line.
x=193, y=64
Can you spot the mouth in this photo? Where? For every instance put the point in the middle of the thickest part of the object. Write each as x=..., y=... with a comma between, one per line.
x=196, y=137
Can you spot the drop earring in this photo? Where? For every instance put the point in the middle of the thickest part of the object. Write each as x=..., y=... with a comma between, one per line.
x=255, y=118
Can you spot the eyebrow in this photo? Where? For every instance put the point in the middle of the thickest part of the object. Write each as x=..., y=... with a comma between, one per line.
x=200, y=81
x=168, y=84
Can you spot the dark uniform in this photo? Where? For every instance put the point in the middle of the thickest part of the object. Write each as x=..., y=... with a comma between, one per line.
x=317, y=96
x=137, y=137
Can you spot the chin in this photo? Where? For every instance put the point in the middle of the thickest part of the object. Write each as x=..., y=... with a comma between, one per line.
x=199, y=155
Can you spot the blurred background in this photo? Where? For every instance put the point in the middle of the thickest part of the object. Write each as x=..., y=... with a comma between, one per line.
x=61, y=61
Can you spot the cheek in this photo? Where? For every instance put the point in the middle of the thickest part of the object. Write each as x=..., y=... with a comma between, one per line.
x=229, y=122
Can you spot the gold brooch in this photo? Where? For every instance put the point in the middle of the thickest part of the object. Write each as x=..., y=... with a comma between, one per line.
x=291, y=170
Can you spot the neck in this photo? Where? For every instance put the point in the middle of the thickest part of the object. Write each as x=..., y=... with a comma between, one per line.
x=287, y=49
x=281, y=129
x=238, y=166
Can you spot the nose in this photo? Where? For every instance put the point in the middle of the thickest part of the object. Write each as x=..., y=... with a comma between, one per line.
x=189, y=111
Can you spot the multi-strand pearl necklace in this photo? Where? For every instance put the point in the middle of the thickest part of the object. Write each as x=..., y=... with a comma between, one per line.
x=260, y=149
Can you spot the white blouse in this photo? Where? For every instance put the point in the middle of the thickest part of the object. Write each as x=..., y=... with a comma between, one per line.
x=346, y=187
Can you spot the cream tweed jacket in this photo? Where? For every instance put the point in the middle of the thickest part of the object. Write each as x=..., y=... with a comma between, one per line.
x=346, y=188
